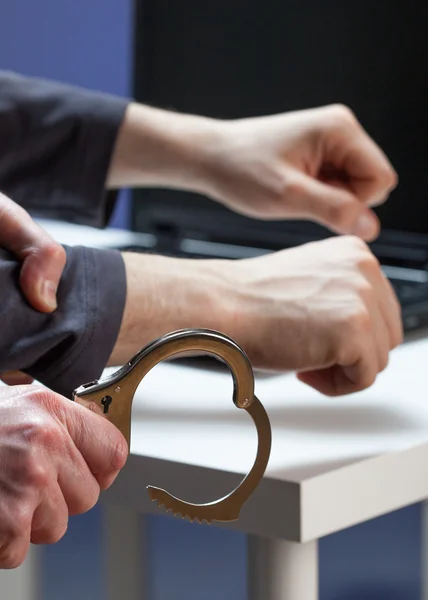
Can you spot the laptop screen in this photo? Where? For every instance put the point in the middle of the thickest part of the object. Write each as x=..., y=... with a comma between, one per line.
x=245, y=58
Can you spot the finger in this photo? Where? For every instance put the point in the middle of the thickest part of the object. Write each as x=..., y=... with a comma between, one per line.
x=43, y=258
x=15, y=525
x=100, y=443
x=322, y=380
x=16, y=378
x=388, y=305
x=360, y=375
x=79, y=486
x=382, y=339
x=14, y=548
x=332, y=206
x=341, y=380
x=372, y=176
x=391, y=310
x=50, y=520
x=348, y=148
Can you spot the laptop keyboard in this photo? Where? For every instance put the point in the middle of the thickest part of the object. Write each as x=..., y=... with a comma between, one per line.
x=410, y=292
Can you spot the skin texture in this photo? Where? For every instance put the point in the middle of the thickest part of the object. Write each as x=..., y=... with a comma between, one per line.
x=323, y=309
x=55, y=457
x=315, y=164
x=43, y=261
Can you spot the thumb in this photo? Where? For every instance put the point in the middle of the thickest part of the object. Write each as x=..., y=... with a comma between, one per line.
x=43, y=258
x=333, y=206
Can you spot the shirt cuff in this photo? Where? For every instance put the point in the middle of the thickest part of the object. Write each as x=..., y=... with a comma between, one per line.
x=91, y=301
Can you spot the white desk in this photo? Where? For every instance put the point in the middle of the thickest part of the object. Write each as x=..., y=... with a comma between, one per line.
x=334, y=462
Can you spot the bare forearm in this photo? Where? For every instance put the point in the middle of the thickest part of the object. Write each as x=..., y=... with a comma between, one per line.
x=160, y=148
x=165, y=294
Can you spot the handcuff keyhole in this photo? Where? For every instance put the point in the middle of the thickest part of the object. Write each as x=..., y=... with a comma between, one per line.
x=106, y=401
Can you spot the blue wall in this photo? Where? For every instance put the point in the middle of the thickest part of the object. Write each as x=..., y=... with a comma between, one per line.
x=88, y=42
x=83, y=42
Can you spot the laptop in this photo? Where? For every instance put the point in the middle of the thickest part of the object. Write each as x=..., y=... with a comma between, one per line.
x=240, y=59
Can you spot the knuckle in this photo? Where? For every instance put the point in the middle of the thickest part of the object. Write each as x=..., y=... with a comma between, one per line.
x=21, y=518
x=50, y=437
x=46, y=399
x=43, y=434
x=342, y=215
x=360, y=321
x=120, y=454
x=57, y=534
x=10, y=558
x=367, y=373
x=115, y=449
x=354, y=329
x=27, y=465
x=363, y=256
x=32, y=472
x=293, y=188
x=399, y=336
x=85, y=502
x=383, y=361
x=342, y=115
x=387, y=177
x=38, y=394
x=365, y=290
x=367, y=379
x=53, y=252
x=363, y=321
x=17, y=522
x=51, y=535
x=357, y=244
x=370, y=264
x=393, y=178
x=88, y=503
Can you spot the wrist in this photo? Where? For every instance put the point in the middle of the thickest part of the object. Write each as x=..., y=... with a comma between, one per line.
x=162, y=148
x=165, y=294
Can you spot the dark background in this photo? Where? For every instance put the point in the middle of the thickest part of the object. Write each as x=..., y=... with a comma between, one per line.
x=245, y=58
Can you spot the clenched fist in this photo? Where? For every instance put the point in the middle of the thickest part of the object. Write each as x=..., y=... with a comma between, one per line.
x=324, y=309
x=55, y=457
x=315, y=164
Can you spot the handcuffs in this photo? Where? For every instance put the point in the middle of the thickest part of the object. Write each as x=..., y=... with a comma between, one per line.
x=113, y=396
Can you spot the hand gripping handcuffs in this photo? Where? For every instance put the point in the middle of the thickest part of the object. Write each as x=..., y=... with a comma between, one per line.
x=114, y=394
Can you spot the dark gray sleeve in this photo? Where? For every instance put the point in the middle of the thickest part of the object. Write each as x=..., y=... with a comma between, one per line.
x=56, y=143
x=72, y=345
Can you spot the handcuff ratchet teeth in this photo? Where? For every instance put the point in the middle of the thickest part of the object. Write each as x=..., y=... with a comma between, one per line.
x=113, y=397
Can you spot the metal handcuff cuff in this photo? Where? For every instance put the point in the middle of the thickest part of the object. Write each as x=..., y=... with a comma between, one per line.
x=114, y=394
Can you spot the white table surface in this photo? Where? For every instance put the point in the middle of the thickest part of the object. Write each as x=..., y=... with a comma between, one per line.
x=334, y=462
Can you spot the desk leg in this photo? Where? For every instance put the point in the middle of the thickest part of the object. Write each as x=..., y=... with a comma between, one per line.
x=123, y=530
x=281, y=570
x=23, y=583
